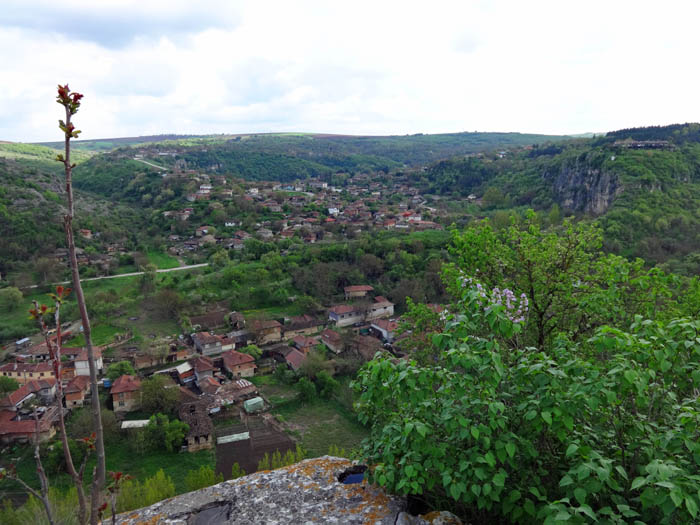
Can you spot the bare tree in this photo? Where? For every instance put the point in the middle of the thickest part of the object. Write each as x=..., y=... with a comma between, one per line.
x=55, y=350
x=71, y=103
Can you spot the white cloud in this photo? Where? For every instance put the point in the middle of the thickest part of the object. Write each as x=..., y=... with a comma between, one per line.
x=353, y=67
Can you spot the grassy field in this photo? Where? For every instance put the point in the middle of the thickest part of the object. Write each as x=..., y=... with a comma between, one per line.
x=162, y=260
x=317, y=425
x=102, y=334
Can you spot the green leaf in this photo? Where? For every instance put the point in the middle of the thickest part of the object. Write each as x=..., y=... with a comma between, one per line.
x=568, y=422
x=580, y=495
x=587, y=510
x=499, y=479
x=547, y=417
x=510, y=448
x=571, y=450
x=638, y=482
x=475, y=432
x=566, y=481
x=691, y=506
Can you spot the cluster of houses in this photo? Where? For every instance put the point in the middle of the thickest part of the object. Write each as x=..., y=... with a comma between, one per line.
x=31, y=408
x=214, y=372
x=293, y=208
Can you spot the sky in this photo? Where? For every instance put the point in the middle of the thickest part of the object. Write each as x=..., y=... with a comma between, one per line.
x=361, y=67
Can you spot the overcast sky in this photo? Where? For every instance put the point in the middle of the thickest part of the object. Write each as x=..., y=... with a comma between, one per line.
x=377, y=67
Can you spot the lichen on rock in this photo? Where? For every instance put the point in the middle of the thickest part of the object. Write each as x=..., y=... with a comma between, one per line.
x=306, y=492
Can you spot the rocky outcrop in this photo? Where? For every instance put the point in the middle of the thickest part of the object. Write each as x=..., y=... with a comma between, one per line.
x=581, y=187
x=307, y=492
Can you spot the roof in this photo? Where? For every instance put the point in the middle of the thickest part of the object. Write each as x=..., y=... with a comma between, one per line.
x=233, y=358
x=206, y=338
x=136, y=423
x=302, y=340
x=331, y=336
x=26, y=367
x=125, y=383
x=209, y=385
x=14, y=398
x=341, y=309
x=263, y=324
x=295, y=359
x=9, y=424
x=80, y=353
x=195, y=415
x=183, y=368
x=359, y=288
x=386, y=325
x=77, y=384
x=202, y=364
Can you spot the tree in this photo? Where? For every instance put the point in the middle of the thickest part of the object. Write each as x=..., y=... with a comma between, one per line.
x=204, y=476
x=326, y=384
x=603, y=430
x=7, y=385
x=10, y=298
x=237, y=471
x=307, y=390
x=71, y=103
x=163, y=433
x=120, y=368
x=148, y=278
x=156, y=396
x=252, y=350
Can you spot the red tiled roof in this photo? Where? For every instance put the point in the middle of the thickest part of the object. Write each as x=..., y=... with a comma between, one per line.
x=209, y=385
x=125, y=383
x=302, y=340
x=80, y=353
x=15, y=397
x=26, y=426
x=26, y=367
x=385, y=324
x=77, y=384
x=202, y=364
x=233, y=358
x=263, y=324
x=205, y=338
x=331, y=336
x=295, y=358
x=341, y=309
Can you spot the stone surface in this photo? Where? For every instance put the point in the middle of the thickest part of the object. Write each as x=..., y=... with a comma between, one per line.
x=304, y=493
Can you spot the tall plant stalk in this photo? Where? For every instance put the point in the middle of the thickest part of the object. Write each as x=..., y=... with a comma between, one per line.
x=71, y=103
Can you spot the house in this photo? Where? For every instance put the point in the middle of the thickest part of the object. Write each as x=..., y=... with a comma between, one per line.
x=305, y=344
x=80, y=357
x=332, y=340
x=14, y=400
x=185, y=373
x=385, y=328
x=86, y=234
x=22, y=427
x=25, y=372
x=209, y=385
x=365, y=346
x=284, y=353
x=380, y=308
x=357, y=291
x=302, y=325
x=203, y=367
x=345, y=315
x=126, y=393
x=76, y=390
x=266, y=331
x=206, y=343
x=200, y=435
x=238, y=364
x=202, y=231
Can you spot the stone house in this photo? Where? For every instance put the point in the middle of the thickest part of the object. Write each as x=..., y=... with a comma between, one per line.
x=200, y=435
x=75, y=391
x=126, y=394
x=357, y=291
x=206, y=343
x=238, y=364
x=25, y=372
x=266, y=331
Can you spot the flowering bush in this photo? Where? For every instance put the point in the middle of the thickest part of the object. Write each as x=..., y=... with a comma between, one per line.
x=604, y=431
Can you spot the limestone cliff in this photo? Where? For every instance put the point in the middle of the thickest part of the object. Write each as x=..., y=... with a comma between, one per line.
x=304, y=493
x=579, y=185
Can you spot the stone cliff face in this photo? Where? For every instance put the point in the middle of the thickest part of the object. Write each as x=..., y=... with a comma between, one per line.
x=305, y=493
x=578, y=186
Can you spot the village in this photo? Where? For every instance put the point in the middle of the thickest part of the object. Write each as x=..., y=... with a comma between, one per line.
x=213, y=370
